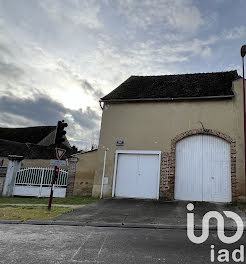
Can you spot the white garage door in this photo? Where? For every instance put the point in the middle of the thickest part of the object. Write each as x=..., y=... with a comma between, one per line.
x=137, y=176
x=203, y=171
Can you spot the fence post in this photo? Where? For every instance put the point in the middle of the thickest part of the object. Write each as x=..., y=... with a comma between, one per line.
x=13, y=166
x=41, y=183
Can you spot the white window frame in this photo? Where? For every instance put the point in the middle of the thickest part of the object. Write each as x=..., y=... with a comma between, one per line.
x=141, y=152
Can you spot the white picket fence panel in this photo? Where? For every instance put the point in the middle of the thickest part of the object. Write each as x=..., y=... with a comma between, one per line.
x=37, y=182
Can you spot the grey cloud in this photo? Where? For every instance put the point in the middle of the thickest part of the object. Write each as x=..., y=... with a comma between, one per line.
x=10, y=70
x=14, y=121
x=180, y=15
x=74, y=13
x=98, y=94
x=87, y=118
x=42, y=109
x=5, y=51
x=45, y=110
x=84, y=84
x=88, y=88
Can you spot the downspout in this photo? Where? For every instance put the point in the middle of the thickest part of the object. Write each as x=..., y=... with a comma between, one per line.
x=104, y=166
x=104, y=162
x=243, y=53
x=101, y=106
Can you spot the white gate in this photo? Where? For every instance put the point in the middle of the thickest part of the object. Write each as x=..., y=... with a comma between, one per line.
x=137, y=174
x=37, y=182
x=203, y=169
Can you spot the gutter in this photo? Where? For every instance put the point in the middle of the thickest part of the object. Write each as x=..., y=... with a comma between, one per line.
x=166, y=99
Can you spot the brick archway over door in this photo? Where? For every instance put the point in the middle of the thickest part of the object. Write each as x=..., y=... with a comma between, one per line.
x=167, y=179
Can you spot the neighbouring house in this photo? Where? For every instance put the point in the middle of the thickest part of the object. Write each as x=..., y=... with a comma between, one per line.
x=85, y=171
x=34, y=155
x=34, y=143
x=173, y=137
x=39, y=135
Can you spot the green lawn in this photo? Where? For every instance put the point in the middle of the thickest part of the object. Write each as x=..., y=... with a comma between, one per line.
x=30, y=212
x=242, y=206
x=34, y=200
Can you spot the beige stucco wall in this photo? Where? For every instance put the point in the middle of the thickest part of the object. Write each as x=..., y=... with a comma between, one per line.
x=85, y=172
x=152, y=126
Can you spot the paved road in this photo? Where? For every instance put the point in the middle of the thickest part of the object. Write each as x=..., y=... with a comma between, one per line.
x=76, y=244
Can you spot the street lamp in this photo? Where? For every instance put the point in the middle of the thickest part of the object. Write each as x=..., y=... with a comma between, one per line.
x=243, y=53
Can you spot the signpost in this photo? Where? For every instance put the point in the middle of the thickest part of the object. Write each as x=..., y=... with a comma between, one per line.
x=54, y=178
x=243, y=53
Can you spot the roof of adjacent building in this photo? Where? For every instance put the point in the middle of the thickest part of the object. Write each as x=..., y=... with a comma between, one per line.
x=85, y=151
x=26, y=134
x=169, y=87
x=30, y=151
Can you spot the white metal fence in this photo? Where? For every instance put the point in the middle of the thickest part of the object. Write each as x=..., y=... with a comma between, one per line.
x=37, y=182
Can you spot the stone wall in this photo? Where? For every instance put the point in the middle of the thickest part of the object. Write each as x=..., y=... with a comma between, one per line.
x=85, y=172
x=71, y=175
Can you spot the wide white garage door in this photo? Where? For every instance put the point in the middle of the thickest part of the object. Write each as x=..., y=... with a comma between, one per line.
x=137, y=176
x=203, y=171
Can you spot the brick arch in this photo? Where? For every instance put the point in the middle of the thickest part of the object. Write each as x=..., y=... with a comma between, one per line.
x=203, y=132
x=168, y=164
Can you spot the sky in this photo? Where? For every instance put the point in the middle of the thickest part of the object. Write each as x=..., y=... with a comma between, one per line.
x=59, y=57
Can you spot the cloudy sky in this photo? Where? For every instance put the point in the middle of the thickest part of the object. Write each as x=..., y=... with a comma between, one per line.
x=58, y=57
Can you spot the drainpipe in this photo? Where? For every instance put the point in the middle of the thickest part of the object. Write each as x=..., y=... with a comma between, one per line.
x=243, y=53
x=104, y=166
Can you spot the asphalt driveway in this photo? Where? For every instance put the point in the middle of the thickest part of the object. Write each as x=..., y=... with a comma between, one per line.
x=144, y=212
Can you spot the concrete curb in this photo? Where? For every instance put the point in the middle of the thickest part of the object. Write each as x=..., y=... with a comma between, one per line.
x=105, y=224
x=73, y=206
x=10, y=221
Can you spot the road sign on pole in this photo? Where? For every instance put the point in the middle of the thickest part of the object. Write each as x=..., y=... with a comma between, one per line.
x=59, y=153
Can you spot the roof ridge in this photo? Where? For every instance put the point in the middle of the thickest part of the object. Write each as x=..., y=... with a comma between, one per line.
x=26, y=134
x=25, y=127
x=182, y=74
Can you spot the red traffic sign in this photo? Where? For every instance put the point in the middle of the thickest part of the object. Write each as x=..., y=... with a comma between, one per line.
x=59, y=153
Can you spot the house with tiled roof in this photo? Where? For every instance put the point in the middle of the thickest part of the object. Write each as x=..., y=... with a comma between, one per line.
x=173, y=137
x=39, y=135
x=30, y=142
